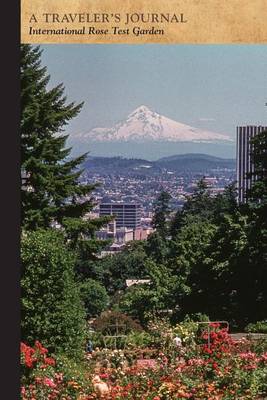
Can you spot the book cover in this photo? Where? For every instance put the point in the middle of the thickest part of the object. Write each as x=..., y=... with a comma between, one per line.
x=143, y=199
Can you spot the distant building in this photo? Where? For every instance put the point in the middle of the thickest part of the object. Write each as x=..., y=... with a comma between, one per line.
x=115, y=248
x=244, y=162
x=142, y=233
x=117, y=235
x=127, y=215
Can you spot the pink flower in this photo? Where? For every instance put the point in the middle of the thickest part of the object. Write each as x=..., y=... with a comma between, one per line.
x=103, y=376
x=59, y=377
x=49, y=382
x=247, y=356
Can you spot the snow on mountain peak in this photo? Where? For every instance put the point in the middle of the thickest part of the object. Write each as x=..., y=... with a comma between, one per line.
x=144, y=125
x=140, y=110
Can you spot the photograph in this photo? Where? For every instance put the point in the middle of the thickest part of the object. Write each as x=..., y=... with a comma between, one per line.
x=143, y=221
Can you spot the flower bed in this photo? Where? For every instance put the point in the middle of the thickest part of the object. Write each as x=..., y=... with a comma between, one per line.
x=221, y=369
x=47, y=378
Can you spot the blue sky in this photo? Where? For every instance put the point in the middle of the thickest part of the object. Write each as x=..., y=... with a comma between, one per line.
x=215, y=87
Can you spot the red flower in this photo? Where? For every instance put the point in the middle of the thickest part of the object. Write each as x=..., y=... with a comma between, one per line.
x=27, y=353
x=49, y=361
x=215, y=366
x=39, y=346
x=214, y=324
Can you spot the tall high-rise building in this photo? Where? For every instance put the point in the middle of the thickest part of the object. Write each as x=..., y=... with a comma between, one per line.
x=127, y=215
x=244, y=163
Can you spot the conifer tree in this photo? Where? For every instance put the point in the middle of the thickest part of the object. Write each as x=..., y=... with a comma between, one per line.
x=200, y=203
x=51, y=191
x=161, y=213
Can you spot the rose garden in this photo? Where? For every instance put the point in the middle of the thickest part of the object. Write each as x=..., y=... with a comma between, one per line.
x=209, y=364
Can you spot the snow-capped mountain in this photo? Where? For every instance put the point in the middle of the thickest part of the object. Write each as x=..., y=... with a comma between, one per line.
x=144, y=125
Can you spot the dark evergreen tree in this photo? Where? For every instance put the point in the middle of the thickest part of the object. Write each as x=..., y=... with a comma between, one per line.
x=156, y=247
x=176, y=223
x=161, y=213
x=225, y=204
x=200, y=203
x=51, y=191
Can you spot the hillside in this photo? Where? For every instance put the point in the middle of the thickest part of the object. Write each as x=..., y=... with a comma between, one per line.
x=178, y=163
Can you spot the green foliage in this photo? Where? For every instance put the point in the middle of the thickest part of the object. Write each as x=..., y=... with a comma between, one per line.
x=51, y=193
x=50, y=178
x=204, y=207
x=192, y=242
x=157, y=247
x=161, y=213
x=139, y=339
x=73, y=371
x=200, y=204
x=51, y=310
x=142, y=299
x=257, y=327
x=196, y=317
x=44, y=377
x=48, y=181
x=139, y=300
x=187, y=331
x=188, y=252
x=214, y=262
x=225, y=203
x=113, y=271
x=94, y=297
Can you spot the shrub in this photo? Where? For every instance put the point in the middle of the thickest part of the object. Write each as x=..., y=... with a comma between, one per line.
x=110, y=322
x=52, y=310
x=258, y=327
x=139, y=339
x=196, y=317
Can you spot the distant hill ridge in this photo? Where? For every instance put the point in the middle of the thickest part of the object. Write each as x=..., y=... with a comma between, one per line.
x=179, y=162
x=194, y=156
